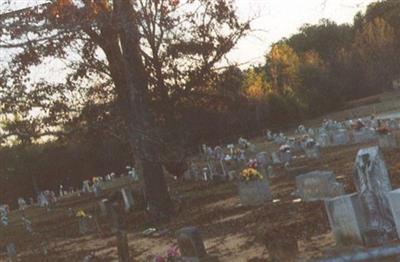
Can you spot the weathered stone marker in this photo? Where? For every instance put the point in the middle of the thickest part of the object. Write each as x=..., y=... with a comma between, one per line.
x=387, y=140
x=394, y=202
x=191, y=244
x=263, y=159
x=318, y=185
x=324, y=139
x=128, y=198
x=345, y=218
x=254, y=192
x=363, y=135
x=340, y=137
x=312, y=149
x=83, y=225
x=11, y=252
x=372, y=182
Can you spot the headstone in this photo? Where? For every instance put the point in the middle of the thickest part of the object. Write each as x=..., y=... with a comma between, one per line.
x=11, y=252
x=27, y=224
x=205, y=174
x=285, y=156
x=312, y=149
x=394, y=203
x=243, y=143
x=270, y=171
x=3, y=216
x=252, y=148
x=387, y=140
x=103, y=206
x=324, y=139
x=269, y=135
x=363, y=135
x=86, y=186
x=263, y=159
x=318, y=185
x=231, y=148
x=61, y=191
x=128, y=198
x=372, y=182
x=219, y=153
x=97, y=190
x=275, y=158
x=43, y=200
x=133, y=174
x=280, y=139
x=231, y=175
x=224, y=169
x=191, y=244
x=21, y=203
x=254, y=192
x=393, y=124
x=345, y=218
x=83, y=223
x=188, y=175
x=311, y=132
x=340, y=137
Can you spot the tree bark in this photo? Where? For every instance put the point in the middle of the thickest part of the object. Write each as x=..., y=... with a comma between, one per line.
x=122, y=49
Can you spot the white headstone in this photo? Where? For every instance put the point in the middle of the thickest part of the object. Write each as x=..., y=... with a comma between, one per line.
x=345, y=218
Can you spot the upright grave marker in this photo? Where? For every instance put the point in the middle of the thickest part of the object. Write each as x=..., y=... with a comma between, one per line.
x=128, y=198
x=394, y=202
x=254, y=192
x=372, y=182
x=345, y=218
x=191, y=244
x=318, y=185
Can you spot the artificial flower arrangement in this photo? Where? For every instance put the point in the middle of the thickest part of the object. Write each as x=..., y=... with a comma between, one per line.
x=173, y=255
x=383, y=130
x=249, y=173
x=358, y=125
x=81, y=214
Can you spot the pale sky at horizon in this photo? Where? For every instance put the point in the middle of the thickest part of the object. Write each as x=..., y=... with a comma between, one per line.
x=274, y=19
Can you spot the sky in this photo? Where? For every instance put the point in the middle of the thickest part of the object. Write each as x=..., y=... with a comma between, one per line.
x=273, y=20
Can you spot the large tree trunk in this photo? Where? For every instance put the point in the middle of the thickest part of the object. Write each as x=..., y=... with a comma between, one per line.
x=122, y=48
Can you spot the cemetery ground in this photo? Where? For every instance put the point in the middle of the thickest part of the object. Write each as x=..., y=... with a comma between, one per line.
x=284, y=227
x=231, y=232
